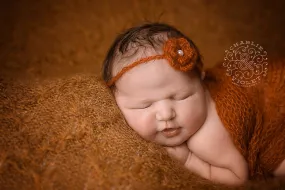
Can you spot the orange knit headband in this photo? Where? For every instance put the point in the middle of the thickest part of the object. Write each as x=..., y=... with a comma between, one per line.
x=177, y=51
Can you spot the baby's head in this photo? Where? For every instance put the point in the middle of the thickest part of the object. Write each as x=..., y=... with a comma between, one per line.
x=155, y=73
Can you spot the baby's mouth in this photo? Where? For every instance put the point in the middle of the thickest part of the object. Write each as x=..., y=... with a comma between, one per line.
x=171, y=132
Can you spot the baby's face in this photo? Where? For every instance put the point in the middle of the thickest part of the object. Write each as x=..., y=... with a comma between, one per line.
x=162, y=105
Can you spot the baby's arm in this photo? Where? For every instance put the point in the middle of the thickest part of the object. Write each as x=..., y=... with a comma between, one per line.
x=213, y=173
x=204, y=169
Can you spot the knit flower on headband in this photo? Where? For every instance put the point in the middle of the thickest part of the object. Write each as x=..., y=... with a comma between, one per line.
x=177, y=51
x=179, y=54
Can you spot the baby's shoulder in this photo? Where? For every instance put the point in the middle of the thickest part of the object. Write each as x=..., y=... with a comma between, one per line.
x=212, y=140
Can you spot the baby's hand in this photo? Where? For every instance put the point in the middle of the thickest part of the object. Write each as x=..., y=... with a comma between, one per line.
x=180, y=152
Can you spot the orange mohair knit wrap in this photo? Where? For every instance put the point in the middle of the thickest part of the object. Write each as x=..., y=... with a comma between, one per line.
x=254, y=116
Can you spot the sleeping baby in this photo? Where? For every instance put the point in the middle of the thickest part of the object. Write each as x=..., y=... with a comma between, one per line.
x=223, y=132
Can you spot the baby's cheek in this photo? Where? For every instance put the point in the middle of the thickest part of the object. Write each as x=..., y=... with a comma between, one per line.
x=142, y=124
x=193, y=117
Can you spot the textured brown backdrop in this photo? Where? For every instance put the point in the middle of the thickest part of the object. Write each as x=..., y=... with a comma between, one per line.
x=46, y=38
x=51, y=38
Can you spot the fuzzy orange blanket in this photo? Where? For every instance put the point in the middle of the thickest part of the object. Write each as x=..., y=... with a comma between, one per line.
x=254, y=116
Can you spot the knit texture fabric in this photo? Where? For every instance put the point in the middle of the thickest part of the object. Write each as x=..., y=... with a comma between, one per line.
x=254, y=116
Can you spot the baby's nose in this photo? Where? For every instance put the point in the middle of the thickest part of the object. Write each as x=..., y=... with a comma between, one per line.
x=165, y=114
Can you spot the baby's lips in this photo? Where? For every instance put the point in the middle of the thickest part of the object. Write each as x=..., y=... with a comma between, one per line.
x=171, y=132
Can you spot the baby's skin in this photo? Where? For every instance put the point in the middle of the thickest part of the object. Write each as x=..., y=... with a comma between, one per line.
x=174, y=109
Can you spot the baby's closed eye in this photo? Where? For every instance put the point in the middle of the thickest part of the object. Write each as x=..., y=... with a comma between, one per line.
x=182, y=96
x=140, y=107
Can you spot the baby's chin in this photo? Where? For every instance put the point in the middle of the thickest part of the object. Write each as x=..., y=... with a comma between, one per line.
x=174, y=141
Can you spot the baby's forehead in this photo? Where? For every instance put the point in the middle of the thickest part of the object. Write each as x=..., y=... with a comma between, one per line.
x=154, y=76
